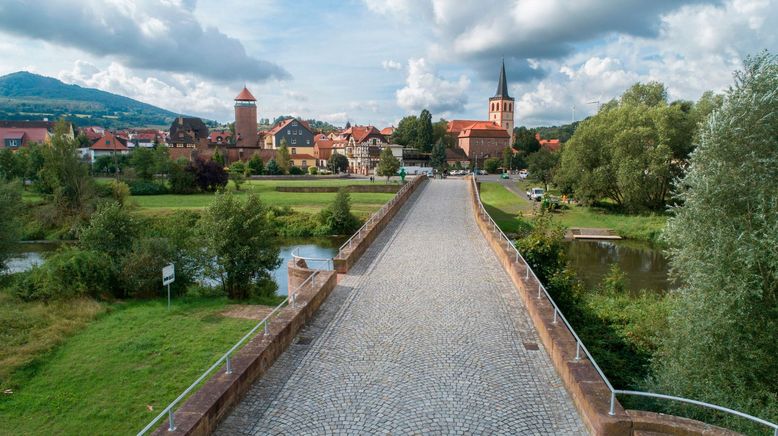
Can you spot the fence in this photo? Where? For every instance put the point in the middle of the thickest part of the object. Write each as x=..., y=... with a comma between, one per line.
x=579, y=345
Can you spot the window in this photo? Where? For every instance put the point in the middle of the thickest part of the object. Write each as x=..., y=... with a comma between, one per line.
x=294, y=141
x=307, y=142
x=107, y=142
x=12, y=143
x=294, y=123
x=305, y=163
x=294, y=150
x=288, y=132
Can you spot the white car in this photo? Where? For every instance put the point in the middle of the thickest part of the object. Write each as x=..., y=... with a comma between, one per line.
x=535, y=194
x=523, y=174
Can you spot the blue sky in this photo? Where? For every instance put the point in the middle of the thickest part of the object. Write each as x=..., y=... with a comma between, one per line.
x=372, y=62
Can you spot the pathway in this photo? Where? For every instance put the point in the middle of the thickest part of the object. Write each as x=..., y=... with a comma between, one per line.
x=425, y=335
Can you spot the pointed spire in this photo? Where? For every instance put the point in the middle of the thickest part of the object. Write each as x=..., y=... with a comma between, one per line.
x=502, y=85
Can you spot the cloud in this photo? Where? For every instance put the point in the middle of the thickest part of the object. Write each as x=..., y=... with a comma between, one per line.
x=425, y=89
x=176, y=92
x=159, y=35
x=391, y=65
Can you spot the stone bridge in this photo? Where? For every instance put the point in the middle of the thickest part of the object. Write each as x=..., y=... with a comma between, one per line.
x=425, y=334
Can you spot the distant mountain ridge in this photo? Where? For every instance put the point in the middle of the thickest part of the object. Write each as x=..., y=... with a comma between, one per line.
x=29, y=96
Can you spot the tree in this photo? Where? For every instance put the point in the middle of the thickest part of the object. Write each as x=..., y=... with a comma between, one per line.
x=525, y=141
x=491, y=165
x=64, y=176
x=182, y=180
x=273, y=169
x=256, y=166
x=507, y=159
x=111, y=230
x=218, y=158
x=208, y=175
x=630, y=152
x=144, y=161
x=337, y=163
x=423, y=140
x=387, y=164
x=720, y=346
x=338, y=216
x=162, y=160
x=10, y=205
x=647, y=94
x=243, y=249
x=440, y=132
x=542, y=165
x=9, y=165
x=238, y=174
x=283, y=159
x=438, y=157
x=405, y=133
x=31, y=161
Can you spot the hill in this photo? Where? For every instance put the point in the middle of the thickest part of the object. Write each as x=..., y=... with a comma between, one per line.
x=28, y=96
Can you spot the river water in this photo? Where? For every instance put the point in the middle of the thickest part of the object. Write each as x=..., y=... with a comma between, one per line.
x=31, y=254
x=645, y=266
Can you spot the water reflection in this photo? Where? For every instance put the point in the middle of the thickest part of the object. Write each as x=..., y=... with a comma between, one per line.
x=27, y=255
x=645, y=266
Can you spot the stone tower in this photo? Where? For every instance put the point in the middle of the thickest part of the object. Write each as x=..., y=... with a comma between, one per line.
x=245, y=119
x=501, y=105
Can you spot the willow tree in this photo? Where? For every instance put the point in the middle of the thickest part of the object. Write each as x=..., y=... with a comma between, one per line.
x=722, y=345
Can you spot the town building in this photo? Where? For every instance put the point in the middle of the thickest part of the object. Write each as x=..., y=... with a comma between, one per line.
x=292, y=131
x=15, y=134
x=552, y=145
x=188, y=137
x=246, y=120
x=363, y=148
x=501, y=105
x=108, y=145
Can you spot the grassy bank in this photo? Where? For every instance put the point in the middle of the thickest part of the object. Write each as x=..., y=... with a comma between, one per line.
x=118, y=371
x=505, y=207
x=363, y=204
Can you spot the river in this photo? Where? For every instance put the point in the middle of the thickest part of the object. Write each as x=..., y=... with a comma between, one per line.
x=645, y=266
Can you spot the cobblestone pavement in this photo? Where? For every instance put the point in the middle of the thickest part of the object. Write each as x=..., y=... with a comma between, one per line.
x=426, y=335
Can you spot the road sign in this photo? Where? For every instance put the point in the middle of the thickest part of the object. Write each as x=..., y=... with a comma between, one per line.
x=168, y=274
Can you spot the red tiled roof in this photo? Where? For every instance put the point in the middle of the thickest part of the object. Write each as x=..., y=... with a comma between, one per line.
x=387, y=131
x=302, y=156
x=109, y=142
x=456, y=126
x=360, y=133
x=484, y=129
x=245, y=95
x=34, y=134
x=225, y=134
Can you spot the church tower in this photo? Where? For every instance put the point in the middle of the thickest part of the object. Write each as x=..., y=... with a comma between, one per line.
x=245, y=119
x=501, y=105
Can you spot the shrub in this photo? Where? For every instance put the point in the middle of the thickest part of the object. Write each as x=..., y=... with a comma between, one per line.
x=209, y=175
x=238, y=174
x=296, y=171
x=147, y=187
x=255, y=165
x=10, y=204
x=141, y=268
x=338, y=216
x=103, y=190
x=492, y=164
x=273, y=169
x=119, y=191
x=68, y=273
x=182, y=181
x=111, y=230
x=313, y=171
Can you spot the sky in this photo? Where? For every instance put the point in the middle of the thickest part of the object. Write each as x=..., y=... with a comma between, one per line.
x=375, y=61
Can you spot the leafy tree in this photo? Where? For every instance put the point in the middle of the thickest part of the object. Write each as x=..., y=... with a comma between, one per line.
x=273, y=169
x=525, y=141
x=10, y=205
x=243, y=250
x=631, y=152
x=162, y=160
x=507, y=158
x=296, y=171
x=542, y=165
x=182, y=180
x=405, y=133
x=111, y=230
x=313, y=171
x=64, y=176
x=438, y=157
x=256, y=166
x=491, y=165
x=238, y=174
x=423, y=140
x=120, y=191
x=720, y=346
x=387, y=164
x=218, y=158
x=144, y=161
x=337, y=163
x=338, y=216
x=208, y=174
x=439, y=132
x=283, y=159
x=9, y=165
x=31, y=162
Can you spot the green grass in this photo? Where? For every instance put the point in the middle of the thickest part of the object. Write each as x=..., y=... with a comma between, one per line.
x=362, y=204
x=102, y=379
x=504, y=207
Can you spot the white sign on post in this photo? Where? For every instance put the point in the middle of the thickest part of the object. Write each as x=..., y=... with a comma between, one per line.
x=168, y=274
x=168, y=277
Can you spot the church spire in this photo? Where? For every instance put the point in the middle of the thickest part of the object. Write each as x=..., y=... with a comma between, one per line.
x=502, y=85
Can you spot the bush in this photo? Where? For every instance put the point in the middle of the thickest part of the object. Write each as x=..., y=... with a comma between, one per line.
x=182, y=181
x=120, y=191
x=296, y=171
x=103, y=190
x=492, y=164
x=141, y=268
x=209, y=175
x=147, y=187
x=273, y=169
x=338, y=216
x=111, y=230
x=68, y=273
x=255, y=165
x=313, y=171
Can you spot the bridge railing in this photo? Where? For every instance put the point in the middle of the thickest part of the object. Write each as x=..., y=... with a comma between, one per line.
x=326, y=262
x=226, y=358
x=579, y=345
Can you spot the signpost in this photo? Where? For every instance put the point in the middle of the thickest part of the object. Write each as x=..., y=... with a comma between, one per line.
x=168, y=277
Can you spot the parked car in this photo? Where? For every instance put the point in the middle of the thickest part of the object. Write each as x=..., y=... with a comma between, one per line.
x=523, y=174
x=505, y=176
x=535, y=194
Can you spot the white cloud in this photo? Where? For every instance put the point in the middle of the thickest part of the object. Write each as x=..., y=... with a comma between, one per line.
x=391, y=65
x=425, y=89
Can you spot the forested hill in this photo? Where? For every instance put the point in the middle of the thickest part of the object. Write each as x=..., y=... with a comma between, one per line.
x=28, y=96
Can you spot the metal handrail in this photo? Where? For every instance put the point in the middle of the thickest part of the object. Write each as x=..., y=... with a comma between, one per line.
x=579, y=344
x=226, y=358
x=375, y=217
x=329, y=260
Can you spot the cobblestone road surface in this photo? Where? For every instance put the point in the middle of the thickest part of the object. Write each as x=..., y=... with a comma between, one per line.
x=426, y=335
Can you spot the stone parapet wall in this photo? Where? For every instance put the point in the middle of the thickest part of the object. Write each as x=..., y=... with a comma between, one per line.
x=380, y=188
x=360, y=241
x=201, y=413
x=589, y=392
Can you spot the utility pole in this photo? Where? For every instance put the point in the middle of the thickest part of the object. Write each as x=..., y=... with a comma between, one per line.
x=573, y=119
x=597, y=102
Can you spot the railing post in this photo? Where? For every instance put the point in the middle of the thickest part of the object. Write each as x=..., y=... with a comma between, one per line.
x=577, y=350
x=229, y=365
x=539, y=287
x=555, y=311
x=171, y=423
x=526, y=271
x=613, y=403
x=267, y=329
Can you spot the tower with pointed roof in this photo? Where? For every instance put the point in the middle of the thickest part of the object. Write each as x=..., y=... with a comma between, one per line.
x=245, y=119
x=501, y=105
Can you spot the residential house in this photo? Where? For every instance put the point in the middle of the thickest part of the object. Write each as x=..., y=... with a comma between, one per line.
x=552, y=145
x=15, y=134
x=188, y=137
x=293, y=131
x=108, y=145
x=484, y=139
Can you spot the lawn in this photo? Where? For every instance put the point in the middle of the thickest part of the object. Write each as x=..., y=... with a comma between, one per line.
x=504, y=206
x=363, y=204
x=117, y=372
